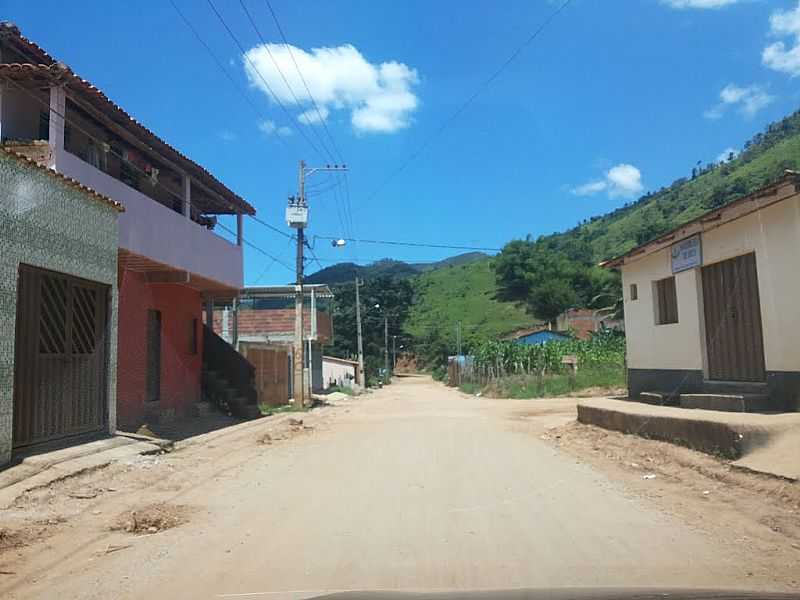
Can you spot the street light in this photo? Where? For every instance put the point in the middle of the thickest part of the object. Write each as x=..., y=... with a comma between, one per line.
x=338, y=243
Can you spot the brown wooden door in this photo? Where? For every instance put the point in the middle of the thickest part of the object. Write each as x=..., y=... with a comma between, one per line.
x=734, y=343
x=60, y=357
x=271, y=374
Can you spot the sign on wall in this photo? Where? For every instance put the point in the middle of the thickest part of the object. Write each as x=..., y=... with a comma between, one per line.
x=687, y=254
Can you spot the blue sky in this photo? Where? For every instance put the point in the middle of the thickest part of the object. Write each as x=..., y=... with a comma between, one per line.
x=614, y=98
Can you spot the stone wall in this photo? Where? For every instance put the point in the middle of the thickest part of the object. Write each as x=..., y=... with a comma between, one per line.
x=46, y=222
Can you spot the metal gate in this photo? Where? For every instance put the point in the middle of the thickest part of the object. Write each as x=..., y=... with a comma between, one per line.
x=60, y=357
x=734, y=343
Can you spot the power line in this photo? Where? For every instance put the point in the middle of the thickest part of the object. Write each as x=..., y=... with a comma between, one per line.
x=272, y=227
x=222, y=68
x=137, y=167
x=264, y=81
x=346, y=205
x=283, y=77
x=415, y=244
x=303, y=79
x=485, y=84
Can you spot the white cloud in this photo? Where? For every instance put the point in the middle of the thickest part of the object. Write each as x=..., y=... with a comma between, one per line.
x=777, y=56
x=698, y=3
x=270, y=128
x=725, y=155
x=379, y=97
x=748, y=100
x=621, y=180
x=313, y=115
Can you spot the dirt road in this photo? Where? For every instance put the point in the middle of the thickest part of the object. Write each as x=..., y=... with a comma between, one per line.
x=413, y=487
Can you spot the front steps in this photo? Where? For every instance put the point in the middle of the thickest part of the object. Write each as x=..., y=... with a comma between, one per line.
x=217, y=390
x=730, y=396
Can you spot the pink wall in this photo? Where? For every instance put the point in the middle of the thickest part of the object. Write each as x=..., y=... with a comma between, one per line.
x=150, y=229
x=180, y=370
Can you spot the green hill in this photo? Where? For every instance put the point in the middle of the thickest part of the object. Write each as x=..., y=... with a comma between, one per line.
x=763, y=160
x=465, y=293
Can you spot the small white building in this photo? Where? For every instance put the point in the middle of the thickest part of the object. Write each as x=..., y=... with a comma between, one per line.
x=339, y=372
x=712, y=308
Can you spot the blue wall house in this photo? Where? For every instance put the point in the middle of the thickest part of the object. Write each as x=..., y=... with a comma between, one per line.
x=537, y=336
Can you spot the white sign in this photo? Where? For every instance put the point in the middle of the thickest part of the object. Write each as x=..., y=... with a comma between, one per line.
x=687, y=254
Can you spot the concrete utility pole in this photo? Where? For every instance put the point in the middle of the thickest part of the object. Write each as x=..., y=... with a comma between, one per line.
x=458, y=351
x=297, y=217
x=361, y=380
x=394, y=353
x=386, y=342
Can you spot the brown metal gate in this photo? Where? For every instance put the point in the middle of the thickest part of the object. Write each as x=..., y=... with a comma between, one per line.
x=734, y=343
x=60, y=357
x=271, y=374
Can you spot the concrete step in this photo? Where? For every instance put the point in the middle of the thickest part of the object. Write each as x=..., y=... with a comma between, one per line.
x=658, y=398
x=726, y=402
x=203, y=408
x=734, y=387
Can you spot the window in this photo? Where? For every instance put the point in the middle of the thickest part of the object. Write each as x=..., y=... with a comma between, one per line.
x=666, y=301
x=634, y=292
x=44, y=125
x=193, y=338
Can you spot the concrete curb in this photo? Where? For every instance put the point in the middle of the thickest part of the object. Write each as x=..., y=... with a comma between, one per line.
x=732, y=435
x=49, y=472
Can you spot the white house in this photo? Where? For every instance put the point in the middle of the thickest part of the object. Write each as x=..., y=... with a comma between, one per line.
x=712, y=308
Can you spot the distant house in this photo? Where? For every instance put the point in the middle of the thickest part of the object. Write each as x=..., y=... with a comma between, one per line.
x=711, y=308
x=339, y=372
x=582, y=322
x=538, y=335
x=260, y=325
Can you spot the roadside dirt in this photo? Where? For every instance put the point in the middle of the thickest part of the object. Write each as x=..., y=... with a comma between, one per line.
x=756, y=512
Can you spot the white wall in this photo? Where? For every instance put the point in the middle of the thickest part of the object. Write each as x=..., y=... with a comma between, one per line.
x=342, y=373
x=651, y=346
x=773, y=233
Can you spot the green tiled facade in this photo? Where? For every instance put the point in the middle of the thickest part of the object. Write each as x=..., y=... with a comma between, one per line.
x=45, y=222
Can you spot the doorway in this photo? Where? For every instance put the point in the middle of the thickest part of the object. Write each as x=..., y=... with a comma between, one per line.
x=153, y=389
x=60, y=357
x=732, y=310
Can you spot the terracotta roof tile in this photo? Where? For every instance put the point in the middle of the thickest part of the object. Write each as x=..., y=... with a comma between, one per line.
x=62, y=73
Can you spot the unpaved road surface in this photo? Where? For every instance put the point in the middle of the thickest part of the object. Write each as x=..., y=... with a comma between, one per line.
x=413, y=487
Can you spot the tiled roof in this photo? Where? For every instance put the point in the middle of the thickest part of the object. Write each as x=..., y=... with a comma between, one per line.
x=62, y=178
x=62, y=73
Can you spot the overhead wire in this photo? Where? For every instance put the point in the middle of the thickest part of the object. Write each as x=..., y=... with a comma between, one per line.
x=136, y=167
x=308, y=123
x=346, y=204
x=272, y=94
x=414, y=244
x=460, y=110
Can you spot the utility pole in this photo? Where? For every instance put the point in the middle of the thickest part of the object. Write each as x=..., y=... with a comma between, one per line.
x=386, y=343
x=361, y=380
x=297, y=218
x=394, y=353
x=458, y=351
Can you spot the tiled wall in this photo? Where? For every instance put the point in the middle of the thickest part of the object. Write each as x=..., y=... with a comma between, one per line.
x=46, y=223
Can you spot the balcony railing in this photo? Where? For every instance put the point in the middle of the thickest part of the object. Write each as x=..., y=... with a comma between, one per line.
x=150, y=229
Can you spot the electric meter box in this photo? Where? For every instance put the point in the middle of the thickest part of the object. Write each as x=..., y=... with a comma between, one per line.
x=297, y=216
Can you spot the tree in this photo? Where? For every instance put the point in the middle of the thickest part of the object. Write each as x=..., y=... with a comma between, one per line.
x=551, y=298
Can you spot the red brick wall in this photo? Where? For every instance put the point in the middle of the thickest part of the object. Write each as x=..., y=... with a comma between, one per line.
x=275, y=321
x=180, y=370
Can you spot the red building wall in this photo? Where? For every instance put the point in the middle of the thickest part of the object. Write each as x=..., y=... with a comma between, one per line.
x=180, y=368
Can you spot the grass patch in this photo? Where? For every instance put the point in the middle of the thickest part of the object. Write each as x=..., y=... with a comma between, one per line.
x=341, y=390
x=531, y=386
x=470, y=388
x=268, y=410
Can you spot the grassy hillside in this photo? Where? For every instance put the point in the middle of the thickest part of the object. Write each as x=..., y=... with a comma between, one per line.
x=387, y=267
x=466, y=293
x=763, y=160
